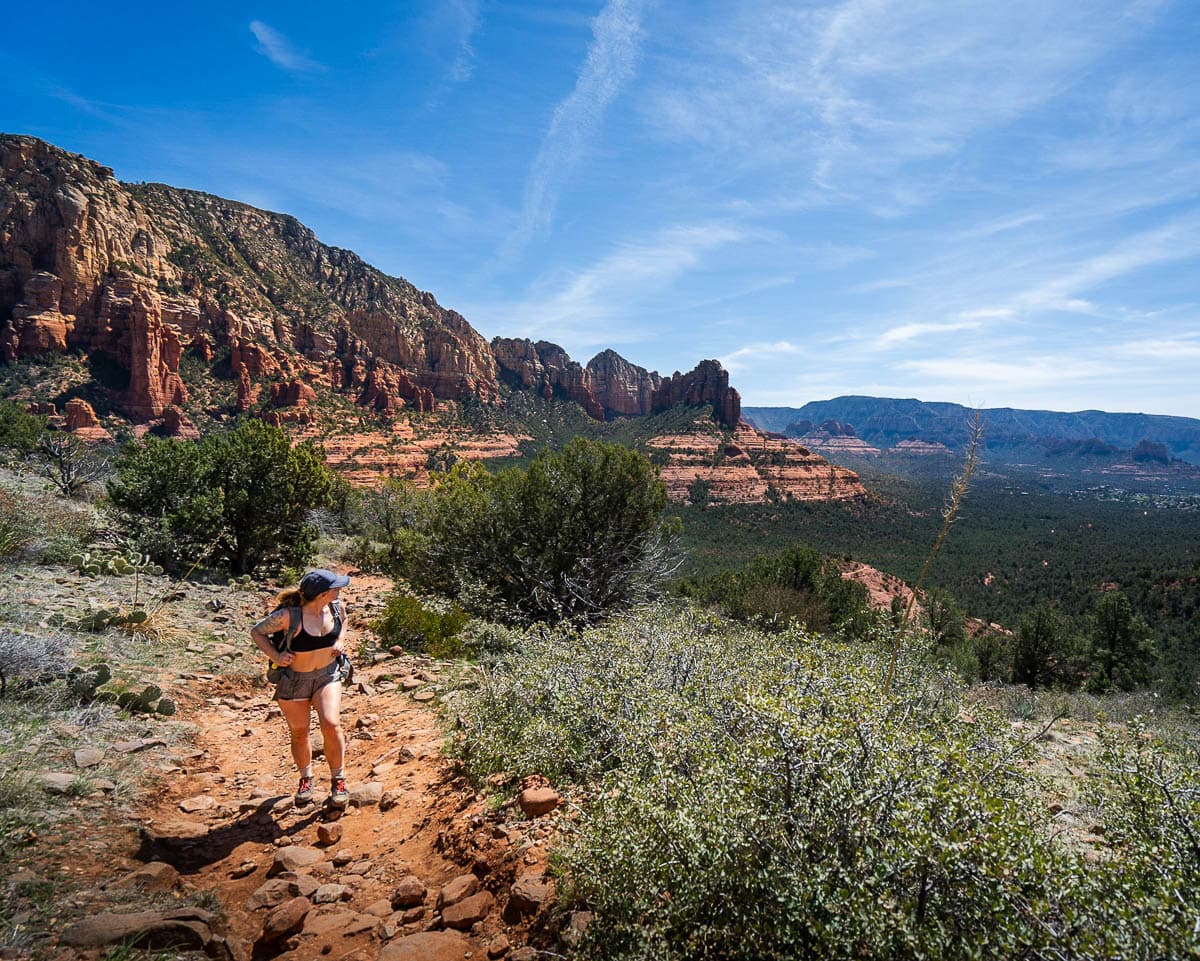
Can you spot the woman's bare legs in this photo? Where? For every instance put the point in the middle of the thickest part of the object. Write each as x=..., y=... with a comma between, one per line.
x=328, y=702
x=298, y=715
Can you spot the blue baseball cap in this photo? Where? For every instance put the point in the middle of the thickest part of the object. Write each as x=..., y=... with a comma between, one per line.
x=319, y=581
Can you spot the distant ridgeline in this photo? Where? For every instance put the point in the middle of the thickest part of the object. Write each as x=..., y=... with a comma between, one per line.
x=869, y=425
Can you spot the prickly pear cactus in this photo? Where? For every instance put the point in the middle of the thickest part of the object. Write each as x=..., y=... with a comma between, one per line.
x=113, y=563
x=83, y=681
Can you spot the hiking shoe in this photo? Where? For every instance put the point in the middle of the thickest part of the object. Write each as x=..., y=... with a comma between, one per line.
x=339, y=797
x=304, y=791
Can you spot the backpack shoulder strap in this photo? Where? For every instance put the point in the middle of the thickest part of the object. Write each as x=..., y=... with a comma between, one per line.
x=339, y=615
x=295, y=623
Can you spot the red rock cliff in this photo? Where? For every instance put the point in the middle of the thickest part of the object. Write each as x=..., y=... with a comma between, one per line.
x=610, y=385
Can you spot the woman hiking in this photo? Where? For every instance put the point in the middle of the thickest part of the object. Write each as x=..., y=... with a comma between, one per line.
x=313, y=666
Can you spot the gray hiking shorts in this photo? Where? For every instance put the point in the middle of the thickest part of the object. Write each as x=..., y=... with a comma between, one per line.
x=302, y=685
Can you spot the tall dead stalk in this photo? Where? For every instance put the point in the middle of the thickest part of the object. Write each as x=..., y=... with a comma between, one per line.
x=958, y=490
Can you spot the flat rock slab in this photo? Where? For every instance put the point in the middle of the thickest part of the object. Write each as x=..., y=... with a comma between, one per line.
x=129, y=747
x=367, y=794
x=468, y=911
x=191, y=928
x=173, y=831
x=294, y=857
x=89, y=756
x=460, y=887
x=194, y=805
x=345, y=923
x=58, y=782
x=428, y=946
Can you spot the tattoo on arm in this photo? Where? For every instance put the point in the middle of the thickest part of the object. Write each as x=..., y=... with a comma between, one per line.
x=275, y=621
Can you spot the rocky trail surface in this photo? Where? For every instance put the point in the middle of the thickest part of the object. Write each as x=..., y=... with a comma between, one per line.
x=419, y=867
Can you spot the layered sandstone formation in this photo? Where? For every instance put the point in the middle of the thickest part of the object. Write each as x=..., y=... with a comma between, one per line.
x=367, y=457
x=610, y=386
x=831, y=437
x=145, y=274
x=748, y=466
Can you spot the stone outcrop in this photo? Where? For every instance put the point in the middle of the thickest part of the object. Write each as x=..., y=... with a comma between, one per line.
x=176, y=423
x=610, y=386
x=139, y=276
x=748, y=466
x=141, y=273
x=830, y=436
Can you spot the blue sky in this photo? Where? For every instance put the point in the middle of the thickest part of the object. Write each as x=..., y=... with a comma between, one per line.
x=991, y=203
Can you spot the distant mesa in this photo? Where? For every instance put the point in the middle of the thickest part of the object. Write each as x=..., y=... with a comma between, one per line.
x=1010, y=436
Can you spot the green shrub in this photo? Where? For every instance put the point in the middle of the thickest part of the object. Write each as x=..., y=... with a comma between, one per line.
x=797, y=586
x=241, y=498
x=577, y=534
x=422, y=629
x=752, y=796
x=15, y=532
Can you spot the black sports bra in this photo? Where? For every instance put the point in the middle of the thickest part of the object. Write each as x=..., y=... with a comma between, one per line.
x=303, y=641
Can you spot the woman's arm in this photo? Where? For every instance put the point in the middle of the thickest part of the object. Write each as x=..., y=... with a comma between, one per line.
x=275, y=621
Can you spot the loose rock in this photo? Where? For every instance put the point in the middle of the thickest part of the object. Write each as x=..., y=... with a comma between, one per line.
x=329, y=834
x=468, y=911
x=527, y=896
x=331, y=894
x=155, y=876
x=285, y=920
x=461, y=887
x=88, y=756
x=293, y=857
x=409, y=892
x=367, y=794
x=536, y=801
x=427, y=946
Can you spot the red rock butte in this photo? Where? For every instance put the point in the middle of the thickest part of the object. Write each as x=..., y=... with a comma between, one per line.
x=140, y=277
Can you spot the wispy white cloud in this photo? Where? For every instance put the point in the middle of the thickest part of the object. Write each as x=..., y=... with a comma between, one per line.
x=1171, y=351
x=465, y=16
x=751, y=355
x=281, y=51
x=906, y=332
x=1032, y=371
x=611, y=61
x=610, y=301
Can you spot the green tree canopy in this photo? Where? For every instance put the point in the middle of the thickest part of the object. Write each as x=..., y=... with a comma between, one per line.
x=1042, y=646
x=577, y=533
x=1121, y=653
x=240, y=498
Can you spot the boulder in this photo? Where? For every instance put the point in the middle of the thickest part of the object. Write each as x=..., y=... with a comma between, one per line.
x=468, y=911
x=285, y=920
x=185, y=928
x=536, y=801
x=428, y=946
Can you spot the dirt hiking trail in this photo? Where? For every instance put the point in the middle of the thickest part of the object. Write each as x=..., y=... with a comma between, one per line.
x=419, y=867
